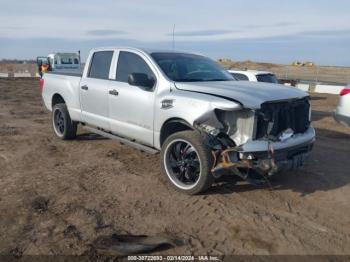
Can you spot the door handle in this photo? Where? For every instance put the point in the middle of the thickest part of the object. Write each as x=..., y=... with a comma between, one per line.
x=113, y=92
x=84, y=87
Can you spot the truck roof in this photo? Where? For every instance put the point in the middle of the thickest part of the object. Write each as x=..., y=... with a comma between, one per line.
x=63, y=54
x=145, y=50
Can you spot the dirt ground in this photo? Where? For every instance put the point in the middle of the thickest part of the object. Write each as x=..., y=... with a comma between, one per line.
x=58, y=196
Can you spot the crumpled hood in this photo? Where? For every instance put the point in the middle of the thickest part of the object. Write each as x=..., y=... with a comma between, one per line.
x=249, y=94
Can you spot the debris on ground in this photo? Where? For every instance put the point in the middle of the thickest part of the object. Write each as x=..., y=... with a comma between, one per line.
x=72, y=231
x=121, y=245
x=40, y=204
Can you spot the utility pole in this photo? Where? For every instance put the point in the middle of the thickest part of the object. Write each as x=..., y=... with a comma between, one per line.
x=173, y=37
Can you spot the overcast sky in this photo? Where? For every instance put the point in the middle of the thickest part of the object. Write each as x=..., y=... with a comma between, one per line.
x=271, y=30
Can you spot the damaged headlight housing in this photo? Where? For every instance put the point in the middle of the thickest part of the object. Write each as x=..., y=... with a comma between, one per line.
x=238, y=125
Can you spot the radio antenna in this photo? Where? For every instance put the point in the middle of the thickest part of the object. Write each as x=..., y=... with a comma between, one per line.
x=173, y=37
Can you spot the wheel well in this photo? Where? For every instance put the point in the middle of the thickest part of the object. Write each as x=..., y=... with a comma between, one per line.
x=173, y=126
x=57, y=99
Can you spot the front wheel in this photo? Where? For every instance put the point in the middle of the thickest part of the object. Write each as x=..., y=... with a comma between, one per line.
x=63, y=126
x=186, y=162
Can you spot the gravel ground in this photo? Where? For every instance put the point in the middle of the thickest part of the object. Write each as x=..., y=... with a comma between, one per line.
x=58, y=197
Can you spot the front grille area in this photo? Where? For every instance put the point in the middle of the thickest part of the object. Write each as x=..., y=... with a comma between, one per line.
x=275, y=117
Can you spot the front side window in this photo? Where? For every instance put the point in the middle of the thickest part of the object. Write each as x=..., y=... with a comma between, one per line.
x=42, y=60
x=129, y=63
x=183, y=67
x=100, y=64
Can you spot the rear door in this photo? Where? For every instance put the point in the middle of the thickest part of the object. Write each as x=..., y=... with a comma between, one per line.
x=131, y=108
x=94, y=90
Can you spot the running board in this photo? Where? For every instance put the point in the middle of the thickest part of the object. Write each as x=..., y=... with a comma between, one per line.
x=122, y=140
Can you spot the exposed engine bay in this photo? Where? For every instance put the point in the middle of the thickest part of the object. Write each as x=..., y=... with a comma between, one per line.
x=274, y=118
x=274, y=122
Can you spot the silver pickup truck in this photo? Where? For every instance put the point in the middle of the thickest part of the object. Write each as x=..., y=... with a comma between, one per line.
x=185, y=106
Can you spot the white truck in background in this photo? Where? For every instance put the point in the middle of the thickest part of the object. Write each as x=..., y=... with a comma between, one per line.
x=64, y=61
x=254, y=76
x=59, y=62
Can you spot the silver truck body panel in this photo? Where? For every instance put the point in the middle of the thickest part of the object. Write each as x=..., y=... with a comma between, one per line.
x=66, y=86
x=250, y=94
x=297, y=139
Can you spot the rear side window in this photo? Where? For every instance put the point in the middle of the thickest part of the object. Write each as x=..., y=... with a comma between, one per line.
x=129, y=63
x=100, y=64
x=240, y=77
x=268, y=78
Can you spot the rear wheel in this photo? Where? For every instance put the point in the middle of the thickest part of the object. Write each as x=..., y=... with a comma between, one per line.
x=63, y=126
x=186, y=162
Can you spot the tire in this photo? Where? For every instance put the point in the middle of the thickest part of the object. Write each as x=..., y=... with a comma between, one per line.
x=62, y=124
x=180, y=165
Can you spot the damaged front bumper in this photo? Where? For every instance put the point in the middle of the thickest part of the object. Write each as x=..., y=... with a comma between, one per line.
x=263, y=156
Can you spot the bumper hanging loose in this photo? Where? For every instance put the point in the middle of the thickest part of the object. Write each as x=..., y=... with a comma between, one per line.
x=238, y=162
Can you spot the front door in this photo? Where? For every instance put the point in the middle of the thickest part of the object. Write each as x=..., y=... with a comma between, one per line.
x=131, y=108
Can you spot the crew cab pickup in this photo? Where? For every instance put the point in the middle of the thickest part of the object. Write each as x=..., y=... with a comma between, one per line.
x=204, y=123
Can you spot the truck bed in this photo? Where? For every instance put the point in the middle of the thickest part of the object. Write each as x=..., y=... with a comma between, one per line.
x=77, y=73
x=66, y=84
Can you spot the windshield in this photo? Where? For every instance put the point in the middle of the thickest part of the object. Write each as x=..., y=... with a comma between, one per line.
x=42, y=60
x=182, y=67
x=268, y=78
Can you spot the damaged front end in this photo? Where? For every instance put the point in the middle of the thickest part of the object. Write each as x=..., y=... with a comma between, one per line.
x=260, y=143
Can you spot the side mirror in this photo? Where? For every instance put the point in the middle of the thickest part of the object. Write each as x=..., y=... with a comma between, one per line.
x=142, y=80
